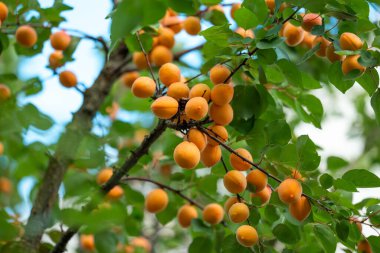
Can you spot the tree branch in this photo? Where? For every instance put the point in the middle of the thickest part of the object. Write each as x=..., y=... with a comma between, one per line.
x=66, y=237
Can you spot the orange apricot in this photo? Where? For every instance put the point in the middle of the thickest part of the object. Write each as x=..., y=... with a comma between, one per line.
x=156, y=201
x=300, y=209
x=262, y=197
x=238, y=212
x=364, y=247
x=213, y=213
x=56, y=59
x=164, y=107
x=289, y=191
x=115, y=193
x=192, y=25
x=256, y=180
x=186, y=214
x=169, y=73
x=211, y=155
x=3, y=12
x=219, y=74
x=245, y=33
x=310, y=20
x=143, y=87
x=5, y=185
x=166, y=37
x=308, y=39
x=139, y=60
x=68, y=79
x=222, y=115
x=196, y=108
x=296, y=174
x=173, y=23
x=293, y=34
x=26, y=36
x=234, y=8
x=219, y=132
x=60, y=40
x=186, y=155
x=216, y=7
x=229, y=202
x=271, y=4
x=350, y=41
x=198, y=138
x=1, y=148
x=200, y=90
x=141, y=243
x=238, y=163
x=234, y=181
x=247, y=236
x=87, y=242
x=161, y=55
x=178, y=90
x=331, y=55
x=128, y=78
x=324, y=43
x=222, y=93
x=5, y=92
x=351, y=63
x=104, y=175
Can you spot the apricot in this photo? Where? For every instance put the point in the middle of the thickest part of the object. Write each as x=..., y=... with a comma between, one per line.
x=310, y=20
x=60, y=40
x=3, y=12
x=331, y=55
x=143, y=87
x=234, y=8
x=289, y=191
x=166, y=37
x=156, y=201
x=245, y=33
x=164, y=107
x=1, y=148
x=222, y=115
x=87, y=242
x=141, y=243
x=364, y=247
x=169, y=73
x=5, y=185
x=262, y=197
x=238, y=212
x=293, y=34
x=234, y=181
x=247, y=236
x=192, y=25
x=308, y=39
x=178, y=90
x=161, y=55
x=26, y=36
x=297, y=175
x=198, y=138
x=281, y=32
x=5, y=92
x=115, y=193
x=186, y=214
x=200, y=90
x=357, y=222
x=127, y=79
x=216, y=7
x=222, y=94
x=211, y=155
x=238, y=163
x=300, y=209
x=351, y=63
x=139, y=60
x=68, y=79
x=256, y=180
x=219, y=132
x=186, y=155
x=173, y=23
x=219, y=74
x=350, y=41
x=213, y=213
x=271, y=4
x=196, y=108
x=229, y=202
x=104, y=175
x=324, y=43
x=56, y=59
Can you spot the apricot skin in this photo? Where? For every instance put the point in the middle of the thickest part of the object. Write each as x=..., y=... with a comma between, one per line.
x=56, y=59
x=139, y=60
x=219, y=132
x=3, y=12
x=192, y=25
x=300, y=209
x=143, y=87
x=213, y=213
x=294, y=35
x=289, y=191
x=161, y=55
x=310, y=20
x=350, y=41
x=245, y=33
x=141, y=243
x=219, y=74
x=178, y=90
x=351, y=63
x=68, y=79
x=173, y=23
x=323, y=46
x=239, y=164
x=104, y=175
x=186, y=214
x=211, y=155
x=247, y=236
x=5, y=92
x=60, y=40
x=364, y=247
x=256, y=180
x=200, y=90
x=196, y=108
x=238, y=212
x=186, y=155
x=127, y=79
x=229, y=202
x=222, y=94
x=5, y=185
x=198, y=138
x=87, y=242
x=26, y=36
x=263, y=196
x=308, y=39
x=156, y=201
x=164, y=107
x=169, y=73
x=166, y=37
x=331, y=55
x=234, y=181
x=115, y=193
x=222, y=115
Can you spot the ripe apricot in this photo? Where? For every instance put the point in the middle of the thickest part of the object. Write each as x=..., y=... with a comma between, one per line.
x=229, y=202
x=26, y=36
x=234, y=181
x=262, y=197
x=310, y=20
x=271, y=4
x=156, y=201
x=234, y=8
x=219, y=132
x=308, y=39
x=213, y=213
x=222, y=93
x=68, y=79
x=139, y=60
x=238, y=212
x=178, y=90
x=247, y=235
x=87, y=242
x=128, y=78
x=60, y=40
x=293, y=34
x=222, y=115
x=216, y=7
x=5, y=185
x=173, y=23
x=296, y=174
x=200, y=90
x=324, y=43
x=196, y=108
x=104, y=175
x=186, y=214
x=198, y=138
x=331, y=55
x=141, y=243
x=143, y=87
x=169, y=73
x=166, y=37
x=245, y=33
x=56, y=59
x=1, y=148
x=289, y=191
x=161, y=55
x=364, y=247
x=300, y=209
x=256, y=180
x=238, y=163
x=186, y=155
x=350, y=41
x=211, y=155
x=3, y=12
x=5, y=92
x=219, y=74
x=164, y=107
x=192, y=25
x=351, y=63
x=115, y=193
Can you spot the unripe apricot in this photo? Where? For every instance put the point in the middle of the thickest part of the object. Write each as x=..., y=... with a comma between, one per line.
x=68, y=79
x=156, y=201
x=289, y=191
x=161, y=55
x=127, y=79
x=26, y=36
x=192, y=25
x=323, y=46
x=5, y=185
x=5, y=92
x=173, y=23
x=166, y=37
x=256, y=180
x=141, y=243
x=198, y=138
x=331, y=55
x=293, y=34
x=351, y=63
x=169, y=73
x=262, y=197
x=219, y=132
x=87, y=242
x=310, y=20
x=186, y=155
x=229, y=202
x=219, y=74
x=3, y=12
x=211, y=155
x=245, y=33
x=350, y=41
x=239, y=164
x=186, y=214
x=247, y=236
x=222, y=93
x=139, y=60
x=56, y=59
x=196, y=108
x=308, y=39
x=213, y=213
x=60, y=40
x=178, y=90
x=234, y=181
x=164, y=107
x=222, y=115
x=364, y=247
x=200, y=90
x=300, y=209
x=115, y=193
x=234, y=8
x=143, y=87
x=104, y=175
x=238, y=212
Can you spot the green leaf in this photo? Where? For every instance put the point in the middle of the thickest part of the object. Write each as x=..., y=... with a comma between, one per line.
x=326, y=181
x=374, y=241
x=187, y=6
x=134, y=45
x=309, y=54
x=336, y=77
x=277, y=132
x=219, y=35
x=369, y=80
x=335, y=163
x=105, y=242
x=326, y=237
x=286, y=233
x=311, y=109
x=291, y=72
x=307, y=153
x=362, y=178
x=200, y=244
x=375, y=103
x=245, y=18
x=345, y=185
x=374, y=213
x=258, y=8
x=342, y=229
x=230, y=245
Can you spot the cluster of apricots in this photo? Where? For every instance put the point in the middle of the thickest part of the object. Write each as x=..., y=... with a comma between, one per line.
x=103, y=176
